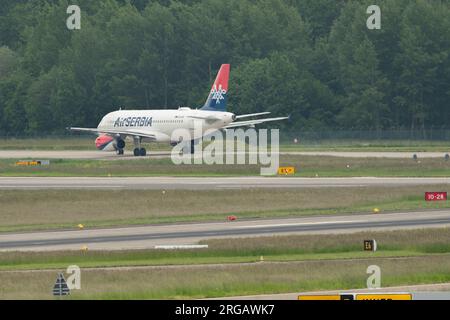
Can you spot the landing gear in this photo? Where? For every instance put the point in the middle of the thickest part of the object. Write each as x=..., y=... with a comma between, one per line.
x=119, y=145
x=192, y=147
x=138, y=150
x=186, y=149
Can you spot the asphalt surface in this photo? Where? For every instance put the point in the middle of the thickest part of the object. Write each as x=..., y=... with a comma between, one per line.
x=95, y=154
x=208, y=183
x=143, y=237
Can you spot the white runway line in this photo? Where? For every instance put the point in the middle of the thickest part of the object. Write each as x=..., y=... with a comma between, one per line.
x=298, y=224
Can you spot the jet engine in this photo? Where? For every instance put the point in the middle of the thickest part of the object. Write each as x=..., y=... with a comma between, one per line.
x=108, y=143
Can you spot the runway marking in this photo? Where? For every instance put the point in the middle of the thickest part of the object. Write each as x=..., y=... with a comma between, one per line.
x=298, y=224
x=287, y=185
x=201, y=183
x=243, y=231
x=57, y=186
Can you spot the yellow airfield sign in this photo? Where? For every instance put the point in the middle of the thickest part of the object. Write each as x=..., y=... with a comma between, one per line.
x=286, y=170
x=384, y=296
x=356, y=296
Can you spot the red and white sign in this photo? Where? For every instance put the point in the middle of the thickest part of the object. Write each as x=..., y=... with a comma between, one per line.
x=435, y=196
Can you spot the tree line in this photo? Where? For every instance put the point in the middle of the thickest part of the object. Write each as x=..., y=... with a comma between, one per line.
x=313, y=59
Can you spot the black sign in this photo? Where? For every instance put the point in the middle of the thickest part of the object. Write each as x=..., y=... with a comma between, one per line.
x=60, y=288
x=370, y=245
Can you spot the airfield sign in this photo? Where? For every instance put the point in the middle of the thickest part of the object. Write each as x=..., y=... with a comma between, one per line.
x=61, y=288
x=435, y=196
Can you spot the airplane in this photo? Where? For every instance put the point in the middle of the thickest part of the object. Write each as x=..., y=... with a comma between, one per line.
x=158, y=125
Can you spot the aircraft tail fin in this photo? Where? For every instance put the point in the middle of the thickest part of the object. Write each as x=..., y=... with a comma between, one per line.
x=217, y=99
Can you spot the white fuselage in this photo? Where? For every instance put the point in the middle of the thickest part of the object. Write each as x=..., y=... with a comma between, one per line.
x=162, y=123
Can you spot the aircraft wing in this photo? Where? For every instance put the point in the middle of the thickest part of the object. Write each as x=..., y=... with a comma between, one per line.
x=252, y=122
x=133, y=133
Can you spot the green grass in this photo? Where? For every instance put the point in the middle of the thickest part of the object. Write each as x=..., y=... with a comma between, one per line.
x=24, y=210
x=123, y=168
x=306, y=166
x=273, y=248
x=358, y=145
x=86, y=142
x=291, y=264
x=66, y=143
x=314, y=166
x=207, y=281
x=183, y=260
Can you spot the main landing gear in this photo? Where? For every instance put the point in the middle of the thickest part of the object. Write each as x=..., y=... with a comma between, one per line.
x=138, y=150
x=189, y=149
x=120, y=144
x=192, y=146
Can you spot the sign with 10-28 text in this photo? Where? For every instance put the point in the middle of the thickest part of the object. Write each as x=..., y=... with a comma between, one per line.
x=435, y=196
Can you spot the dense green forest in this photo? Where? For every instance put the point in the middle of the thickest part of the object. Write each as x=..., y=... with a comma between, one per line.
x=314, y=59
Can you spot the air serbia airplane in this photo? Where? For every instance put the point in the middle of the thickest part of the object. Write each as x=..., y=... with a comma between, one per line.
x=158, y=125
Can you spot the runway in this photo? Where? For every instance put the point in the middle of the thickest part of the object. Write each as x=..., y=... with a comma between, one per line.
x=144, y=237
x=206, y=183
x=101, y=155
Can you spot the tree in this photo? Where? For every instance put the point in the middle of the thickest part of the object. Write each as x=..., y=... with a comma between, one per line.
x=364, y=103
x=8, y=61
x=424, y=55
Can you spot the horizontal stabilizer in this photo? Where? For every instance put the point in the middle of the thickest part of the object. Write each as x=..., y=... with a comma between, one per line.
x=252, y=115
x=252, y=122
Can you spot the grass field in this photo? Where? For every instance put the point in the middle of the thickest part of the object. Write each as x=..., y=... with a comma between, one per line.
x=306, y=166
x=87, y=143
x=63, y=143
x=209, y=281
x=273, y=248
x=52, y=209
x=291, y=263
x=361, y=145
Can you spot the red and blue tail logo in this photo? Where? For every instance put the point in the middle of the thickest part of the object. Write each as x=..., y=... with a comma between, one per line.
x=217, y=99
